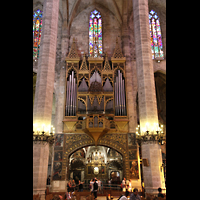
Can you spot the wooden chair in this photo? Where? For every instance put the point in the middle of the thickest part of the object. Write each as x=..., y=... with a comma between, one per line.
x=116, y=193
x=160, y=198
x=36, y=197
x=49, y=197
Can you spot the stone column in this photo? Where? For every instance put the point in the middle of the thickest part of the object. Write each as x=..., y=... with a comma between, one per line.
x=46, y=66
x=44, y=93
x=146, y=95
x=153, y=174
x=130, y=87
x=40, y=168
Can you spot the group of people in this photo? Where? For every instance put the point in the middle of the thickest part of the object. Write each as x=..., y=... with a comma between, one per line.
x=135, y=195
x=95, y=186
x=126, y=184
x=71, y=186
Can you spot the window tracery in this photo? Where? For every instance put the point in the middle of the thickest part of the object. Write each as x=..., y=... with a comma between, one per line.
x=37, y=27
x=95, y=34
x=155, y=34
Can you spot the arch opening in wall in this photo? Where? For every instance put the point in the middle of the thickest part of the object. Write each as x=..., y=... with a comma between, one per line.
x=83, y=163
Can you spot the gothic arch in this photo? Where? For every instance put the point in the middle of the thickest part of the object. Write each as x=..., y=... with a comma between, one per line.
x=117, y=142
x=98, y=6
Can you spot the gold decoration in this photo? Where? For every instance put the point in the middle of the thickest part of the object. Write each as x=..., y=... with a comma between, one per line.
x=73, y=54
x=91, y=99
x=117, y=52
x=84, y=64
x=107, y=66
x=99, y=98
x=121, y=125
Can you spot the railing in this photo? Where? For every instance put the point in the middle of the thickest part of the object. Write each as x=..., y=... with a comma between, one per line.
x=86, y=186
x=95, y=121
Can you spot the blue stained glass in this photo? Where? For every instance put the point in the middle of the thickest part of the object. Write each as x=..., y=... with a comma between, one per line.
x=95, y=12
x=92, y=16
x=155, y=34
x=98, y=16
x=95, y=33
x=37, y=24
x=152, y=12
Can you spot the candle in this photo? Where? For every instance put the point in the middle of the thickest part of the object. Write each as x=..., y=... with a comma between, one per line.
x=49, y=129
x=43, y=126
x=147, y=126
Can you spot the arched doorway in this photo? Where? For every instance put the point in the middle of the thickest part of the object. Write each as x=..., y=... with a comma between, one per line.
x=96, y=161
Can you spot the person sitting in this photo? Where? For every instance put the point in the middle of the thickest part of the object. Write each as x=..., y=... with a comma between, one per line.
x=56, y=197
x=160, y=194
x=126, y=193
x=73, y=186
x=69, y=186
x=135, y=195
x=124, y=197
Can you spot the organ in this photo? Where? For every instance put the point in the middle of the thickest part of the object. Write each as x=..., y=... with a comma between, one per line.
x=95, y=93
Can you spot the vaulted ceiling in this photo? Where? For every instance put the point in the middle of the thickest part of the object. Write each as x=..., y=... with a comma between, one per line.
x=69, y=9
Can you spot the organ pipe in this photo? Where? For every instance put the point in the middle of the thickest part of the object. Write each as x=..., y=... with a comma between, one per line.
x=120, y=105
x=117, y=91
x=115, y=98
x=119, y=78
x=66, y=112
x=71, y=96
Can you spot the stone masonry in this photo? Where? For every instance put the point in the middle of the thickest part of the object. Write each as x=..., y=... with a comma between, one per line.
x=147, y=95
x=46, y=65
x=44, y=93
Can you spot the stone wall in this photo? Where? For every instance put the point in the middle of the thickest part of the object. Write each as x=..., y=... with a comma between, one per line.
x=111, y=29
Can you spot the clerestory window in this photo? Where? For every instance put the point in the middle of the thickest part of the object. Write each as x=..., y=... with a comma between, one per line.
x=37, y=27
x=155, y=33
x=95, y=34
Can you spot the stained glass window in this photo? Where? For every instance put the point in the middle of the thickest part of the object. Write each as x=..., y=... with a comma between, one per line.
x=155, y=33
x=95, y=34
x=37, y=26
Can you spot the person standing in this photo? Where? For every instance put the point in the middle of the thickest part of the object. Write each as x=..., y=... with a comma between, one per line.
x=48, y=180
x=124, y=184
x=135, y=195
x=91, y=185
x=160, y=193
x=99, y=185
x=95, y=188
x=80, y=186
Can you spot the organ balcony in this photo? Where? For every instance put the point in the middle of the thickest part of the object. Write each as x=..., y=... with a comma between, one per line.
x=96, y=126
x=95, y=98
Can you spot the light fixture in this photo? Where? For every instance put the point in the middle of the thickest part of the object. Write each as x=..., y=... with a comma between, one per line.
x=159, y=136
x=42, y=137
